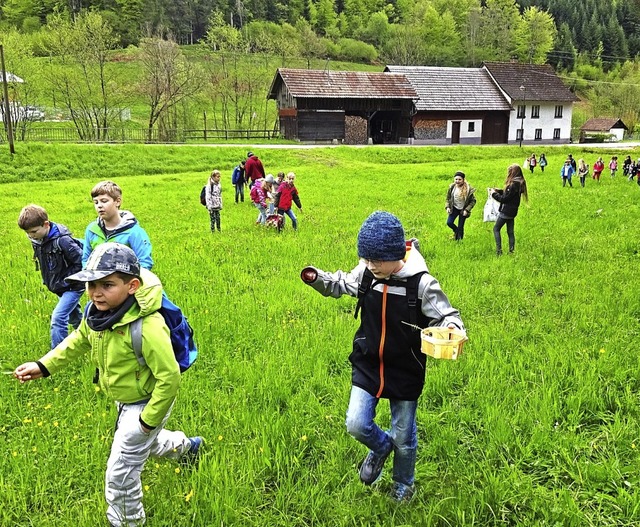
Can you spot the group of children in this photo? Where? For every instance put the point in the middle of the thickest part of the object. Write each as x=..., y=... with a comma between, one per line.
x=570, y=168
x=531, y=162
x=114, y=267
x=273, y=197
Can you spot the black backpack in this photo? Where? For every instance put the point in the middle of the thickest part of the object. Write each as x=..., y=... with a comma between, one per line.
x=203, y=196
x=411, y=285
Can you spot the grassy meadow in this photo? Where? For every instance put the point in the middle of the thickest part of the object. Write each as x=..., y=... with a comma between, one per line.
x=538, y=423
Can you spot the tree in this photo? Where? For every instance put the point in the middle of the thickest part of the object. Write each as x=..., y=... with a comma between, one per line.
x=168, y=79
x=500, y=18
x=79, y=72
x=326, y=17
x=535, y=36
x=564, y=53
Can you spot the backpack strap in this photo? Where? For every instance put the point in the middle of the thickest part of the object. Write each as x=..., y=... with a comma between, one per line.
x=136, y=340
x=363, y=287
x=413, y=284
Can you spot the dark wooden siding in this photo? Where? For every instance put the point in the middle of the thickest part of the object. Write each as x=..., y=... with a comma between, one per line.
x=320, y=125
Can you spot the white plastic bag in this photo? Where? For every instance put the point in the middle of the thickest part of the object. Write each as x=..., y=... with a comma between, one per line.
x=491, y=208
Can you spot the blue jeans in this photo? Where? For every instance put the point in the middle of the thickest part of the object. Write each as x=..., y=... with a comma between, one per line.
x=294, y=220
x=262, y=213
x=67, y=311
x=402, y=438
x=239, y=191
x=459, y=230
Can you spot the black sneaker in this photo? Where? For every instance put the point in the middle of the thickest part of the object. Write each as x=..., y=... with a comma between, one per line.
x=402, y=493
x=371, y=467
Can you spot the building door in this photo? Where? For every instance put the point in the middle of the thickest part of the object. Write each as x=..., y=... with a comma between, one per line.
x=455, y=132
x=495, y=128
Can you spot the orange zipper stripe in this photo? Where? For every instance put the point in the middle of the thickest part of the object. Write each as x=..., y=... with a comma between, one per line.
x=382, y=338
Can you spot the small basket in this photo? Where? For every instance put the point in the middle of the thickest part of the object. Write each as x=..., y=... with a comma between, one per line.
x=443, y=343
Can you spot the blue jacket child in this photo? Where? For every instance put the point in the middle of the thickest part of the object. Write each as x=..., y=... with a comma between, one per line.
x=57, y=255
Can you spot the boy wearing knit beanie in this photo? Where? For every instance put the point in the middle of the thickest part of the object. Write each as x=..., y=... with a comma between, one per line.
x=394, y=289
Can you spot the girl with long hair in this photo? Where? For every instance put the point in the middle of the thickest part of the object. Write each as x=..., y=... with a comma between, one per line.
x=509, y=198
x=460, y=200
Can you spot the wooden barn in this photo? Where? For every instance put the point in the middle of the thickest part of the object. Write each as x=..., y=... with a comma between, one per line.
x=456, y=105
x=353, y=107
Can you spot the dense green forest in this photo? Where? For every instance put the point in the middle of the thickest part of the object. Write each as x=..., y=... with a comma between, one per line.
x=442, y=32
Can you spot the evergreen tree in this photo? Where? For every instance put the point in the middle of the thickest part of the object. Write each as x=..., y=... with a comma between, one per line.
x=564, y=54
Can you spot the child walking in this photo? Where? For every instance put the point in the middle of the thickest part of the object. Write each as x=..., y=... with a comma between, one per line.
x=115, y=225
x=514, y=187
x=287, y=195
x=238, y=181
x=461, y=198
x=386, y=359
x=213, y=199
x=613, y=166
x=144, y=391
x=58, y=255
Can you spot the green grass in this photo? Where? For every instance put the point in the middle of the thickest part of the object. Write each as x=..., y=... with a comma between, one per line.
x=536, y=424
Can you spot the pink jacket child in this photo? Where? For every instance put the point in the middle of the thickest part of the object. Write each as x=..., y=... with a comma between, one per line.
x=598, y=167
x=259, y=197
x=287, y=195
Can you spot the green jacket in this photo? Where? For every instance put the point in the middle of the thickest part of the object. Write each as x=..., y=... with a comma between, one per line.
x=121, y=376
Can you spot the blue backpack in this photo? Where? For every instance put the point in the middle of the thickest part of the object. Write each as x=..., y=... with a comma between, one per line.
x=184, y=347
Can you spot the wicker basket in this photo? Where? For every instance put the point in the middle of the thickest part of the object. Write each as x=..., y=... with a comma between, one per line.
x=443, y=343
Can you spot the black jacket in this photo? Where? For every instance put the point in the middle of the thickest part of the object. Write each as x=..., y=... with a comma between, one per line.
x=58, y=256
x=509, y=199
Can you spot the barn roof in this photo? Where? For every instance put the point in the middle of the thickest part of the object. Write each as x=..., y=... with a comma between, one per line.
x=342, y=84
x=539, y=80
x=602, y=124
x=453, y=89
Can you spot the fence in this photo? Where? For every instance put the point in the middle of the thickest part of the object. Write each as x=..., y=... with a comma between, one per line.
x=140, y=135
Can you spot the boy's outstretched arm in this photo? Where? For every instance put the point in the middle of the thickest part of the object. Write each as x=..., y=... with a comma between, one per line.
x=28, y=372
x=333, y=284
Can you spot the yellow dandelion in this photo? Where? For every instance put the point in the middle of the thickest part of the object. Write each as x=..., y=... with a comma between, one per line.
x=633, y=445
x=29, y=404
x=34, y=449
x=177, y=471
x=48, y=407
x=40, y=423
x=14, y=453
x=602, y=350
x=27, y=420
x=146, y=488
x=56, y=389
x=96, y=388
x=220, y=438
x=188, y=497
x=261, y=450
x=55, y=423
x=88, y=414
x=304, y=438
x=75, y=437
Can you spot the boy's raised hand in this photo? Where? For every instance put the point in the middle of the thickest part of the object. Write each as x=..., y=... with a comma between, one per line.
x=309, y=275
x=27, y=372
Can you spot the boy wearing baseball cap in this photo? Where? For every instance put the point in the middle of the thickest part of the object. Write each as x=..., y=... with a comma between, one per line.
x=120, y=293
x=394, y=290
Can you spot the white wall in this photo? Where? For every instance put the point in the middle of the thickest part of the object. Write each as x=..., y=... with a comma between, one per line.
x=546, y=121
x=465, y=135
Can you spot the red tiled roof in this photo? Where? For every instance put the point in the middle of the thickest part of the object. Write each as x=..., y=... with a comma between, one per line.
x=342, y=84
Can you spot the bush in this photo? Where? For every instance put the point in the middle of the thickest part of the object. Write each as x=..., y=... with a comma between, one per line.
x=356, y=51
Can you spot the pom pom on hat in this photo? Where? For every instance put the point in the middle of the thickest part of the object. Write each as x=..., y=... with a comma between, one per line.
x=381, y=237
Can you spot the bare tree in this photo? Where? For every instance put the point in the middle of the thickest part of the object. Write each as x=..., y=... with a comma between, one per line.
x=169, y=79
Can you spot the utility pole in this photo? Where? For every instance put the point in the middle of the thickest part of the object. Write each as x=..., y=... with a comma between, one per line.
x=7, y=107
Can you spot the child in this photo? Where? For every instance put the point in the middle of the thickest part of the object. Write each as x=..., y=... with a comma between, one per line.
x=213, y=197
x=515, y=187
x=259, y=197
x=58, y=255
x=566, y=173
x=542, y=162
x=270, y=193
x=288, y=194
x=583, y=171
x=238, y=181
x=144, y=392
x=613, y=166
x=598, y=167
x=532, y=162
x=461, y=198
x=386, y=359
x=115, y=225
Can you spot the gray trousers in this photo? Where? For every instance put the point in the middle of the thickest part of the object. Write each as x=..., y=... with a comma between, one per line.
x=129, y=451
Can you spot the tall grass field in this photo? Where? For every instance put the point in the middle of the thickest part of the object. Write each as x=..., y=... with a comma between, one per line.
x=537, y=423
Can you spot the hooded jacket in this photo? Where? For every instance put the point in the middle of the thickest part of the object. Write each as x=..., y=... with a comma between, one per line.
x=121, y=377
x=509, y=199
x=386, y=359
x=253, y=169
x=128, y=233
x=287, y=194
x=469, y=202
x=213, y=196
x=58, y=256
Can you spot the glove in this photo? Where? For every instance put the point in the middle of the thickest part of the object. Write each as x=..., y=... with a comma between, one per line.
x=309, y=275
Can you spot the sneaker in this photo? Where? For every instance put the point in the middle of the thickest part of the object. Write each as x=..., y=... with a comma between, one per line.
x=190, y=457
x=402, y=493
x=371, y=467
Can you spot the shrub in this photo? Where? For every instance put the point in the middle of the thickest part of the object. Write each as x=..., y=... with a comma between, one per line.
x=356, y=51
